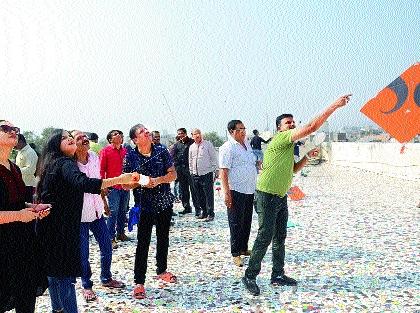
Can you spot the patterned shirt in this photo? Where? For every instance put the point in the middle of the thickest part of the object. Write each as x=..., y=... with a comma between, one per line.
x=157, y=164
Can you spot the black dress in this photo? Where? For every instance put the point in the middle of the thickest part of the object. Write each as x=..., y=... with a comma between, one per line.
x=21, y=276
x=63, y=187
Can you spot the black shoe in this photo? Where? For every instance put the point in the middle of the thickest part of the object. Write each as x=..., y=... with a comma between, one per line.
x=200, y=217
x=251, y=286
x=283, y=281
x=185, y=211
x=209, y=219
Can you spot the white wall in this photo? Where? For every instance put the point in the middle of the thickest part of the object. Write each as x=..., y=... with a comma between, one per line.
x=384, y=158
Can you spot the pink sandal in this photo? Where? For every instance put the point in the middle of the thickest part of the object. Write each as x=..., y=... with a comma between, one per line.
x=89, y=295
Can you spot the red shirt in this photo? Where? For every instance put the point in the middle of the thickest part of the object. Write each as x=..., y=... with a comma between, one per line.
x=111, y=160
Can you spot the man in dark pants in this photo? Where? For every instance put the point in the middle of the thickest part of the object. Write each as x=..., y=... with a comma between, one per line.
x=155, y=201
x=272, y=186
x=238, y=175
x=202, y=165
x=180, y=155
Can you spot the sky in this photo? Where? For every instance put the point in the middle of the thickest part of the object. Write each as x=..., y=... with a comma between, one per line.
x=102, y=65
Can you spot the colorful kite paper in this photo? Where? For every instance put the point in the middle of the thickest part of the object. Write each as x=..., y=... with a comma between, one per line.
x=396, y=108
x=295, y=193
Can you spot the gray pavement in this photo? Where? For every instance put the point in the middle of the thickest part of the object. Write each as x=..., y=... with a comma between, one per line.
x=354, y=248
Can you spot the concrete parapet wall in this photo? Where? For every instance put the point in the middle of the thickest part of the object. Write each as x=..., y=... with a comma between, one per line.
x=382, y=158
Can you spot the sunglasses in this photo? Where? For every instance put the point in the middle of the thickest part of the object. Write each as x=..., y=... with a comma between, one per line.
x=116, y=133
x=8, y=129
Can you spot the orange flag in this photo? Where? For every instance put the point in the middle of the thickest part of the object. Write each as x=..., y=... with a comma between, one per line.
x=295, y=193
x=396, y=108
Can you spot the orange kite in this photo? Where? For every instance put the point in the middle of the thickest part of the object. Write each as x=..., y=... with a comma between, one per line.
x=396, y=108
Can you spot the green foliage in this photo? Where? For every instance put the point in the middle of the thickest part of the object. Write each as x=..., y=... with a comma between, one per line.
x=38, y=140
x=214, y=138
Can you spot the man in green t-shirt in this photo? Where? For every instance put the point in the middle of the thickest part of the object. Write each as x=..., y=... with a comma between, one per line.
x=272, y=186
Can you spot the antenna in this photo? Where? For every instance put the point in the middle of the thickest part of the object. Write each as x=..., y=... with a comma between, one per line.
x=170, y=110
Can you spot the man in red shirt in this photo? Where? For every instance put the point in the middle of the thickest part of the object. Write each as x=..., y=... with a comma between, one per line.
x=111, y=163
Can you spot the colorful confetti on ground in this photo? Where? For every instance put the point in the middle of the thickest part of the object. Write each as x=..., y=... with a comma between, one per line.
x=354, y=248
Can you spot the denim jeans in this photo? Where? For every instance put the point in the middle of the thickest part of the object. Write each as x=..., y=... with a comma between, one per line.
x=272, y=228
x=258, y=154
x=100, y=231
x=118, y=203
x=63, y=294
x=240, y=219
x=203, y=187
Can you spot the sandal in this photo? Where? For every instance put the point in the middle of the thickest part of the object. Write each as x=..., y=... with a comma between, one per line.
x=167, y=277
x=89, y=295
x=139, y=292
x=112, y=283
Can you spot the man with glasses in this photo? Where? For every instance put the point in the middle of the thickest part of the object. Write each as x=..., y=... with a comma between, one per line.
x=154, y=199
x=238, y=174
x=271, y=198
x=111, y=164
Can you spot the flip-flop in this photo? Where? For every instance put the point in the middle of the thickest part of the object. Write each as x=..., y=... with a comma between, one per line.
x=89, y=295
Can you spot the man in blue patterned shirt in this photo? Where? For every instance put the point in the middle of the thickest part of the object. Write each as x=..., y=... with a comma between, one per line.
x=155, y=201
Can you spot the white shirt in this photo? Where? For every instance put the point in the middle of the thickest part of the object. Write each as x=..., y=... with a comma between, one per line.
x=93, y=205
x=242, y=174
x=26, y=159
x=202, y=158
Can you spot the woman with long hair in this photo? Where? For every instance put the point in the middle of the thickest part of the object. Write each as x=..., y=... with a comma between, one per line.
x=63, y=185
x=20, y=272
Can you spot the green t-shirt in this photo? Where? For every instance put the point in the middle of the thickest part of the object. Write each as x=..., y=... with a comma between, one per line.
x=277, y=170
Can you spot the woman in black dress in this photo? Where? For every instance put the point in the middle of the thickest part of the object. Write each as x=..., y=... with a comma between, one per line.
x=20, y=271
x=62, y=184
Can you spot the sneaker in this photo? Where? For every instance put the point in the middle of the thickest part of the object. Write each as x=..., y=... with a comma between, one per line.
x=114, y=244
x=283, y=281
x=246, y=253
x=167, y=277
x=123, y=237
x=112, y=283
x=237, y=260
x=209, y=219
x=139, y=292
x=251, y=286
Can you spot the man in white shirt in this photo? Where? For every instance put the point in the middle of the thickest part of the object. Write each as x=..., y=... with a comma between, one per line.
x=27, y=159
x=202, y=162
x=238, y=174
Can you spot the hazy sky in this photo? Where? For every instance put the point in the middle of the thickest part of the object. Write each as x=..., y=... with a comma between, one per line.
x=99, y=65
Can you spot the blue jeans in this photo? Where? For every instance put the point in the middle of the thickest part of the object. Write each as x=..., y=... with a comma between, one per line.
x=258, y=154
x=118, y=203
x=100, y=231
x=63, y=294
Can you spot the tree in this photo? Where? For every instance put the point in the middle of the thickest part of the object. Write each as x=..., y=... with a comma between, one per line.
x=214, y=138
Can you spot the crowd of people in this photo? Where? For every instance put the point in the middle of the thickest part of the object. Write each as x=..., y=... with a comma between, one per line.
x=45, y=221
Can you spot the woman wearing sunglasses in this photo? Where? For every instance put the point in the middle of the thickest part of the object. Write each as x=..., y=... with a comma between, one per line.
x=19, y=270
x=63, y=185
